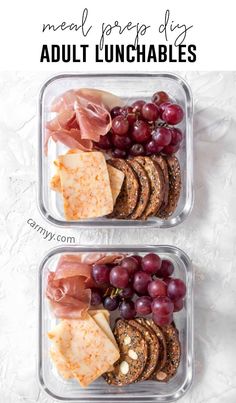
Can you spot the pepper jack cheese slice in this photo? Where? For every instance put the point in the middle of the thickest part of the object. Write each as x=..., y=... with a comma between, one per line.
x=116, y=180
x=115, y=175
x=101, y=320
x=87, y=352
x=85, y=185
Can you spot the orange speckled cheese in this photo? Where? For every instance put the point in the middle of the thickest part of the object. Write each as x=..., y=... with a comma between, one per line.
x=86, y=350
x=85, y=185
x=116, y=181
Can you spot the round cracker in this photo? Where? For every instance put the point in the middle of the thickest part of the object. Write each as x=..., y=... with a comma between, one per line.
x=162, y=346
x=128, y=197
x=174, y=187
x=153, y=347
x=157, y=186
x=144, y=189
x=163, y=165
x=173, y=354
x=133, y=355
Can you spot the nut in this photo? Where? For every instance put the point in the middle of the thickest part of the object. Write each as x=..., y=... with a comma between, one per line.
x=161, y=376
x=127, y=340
x=132, y=354
x=124, y=367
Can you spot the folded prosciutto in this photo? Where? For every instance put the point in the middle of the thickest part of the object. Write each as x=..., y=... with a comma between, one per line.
x=82, y=116
x=69, y=287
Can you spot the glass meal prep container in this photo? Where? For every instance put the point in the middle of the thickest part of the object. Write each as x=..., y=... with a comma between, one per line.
x=100, y=391
x=129, y=87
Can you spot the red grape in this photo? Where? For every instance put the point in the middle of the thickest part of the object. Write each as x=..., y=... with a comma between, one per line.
x=143, y=305
x=129, y=114
x=121, y=142
x=116, y=111
x=137, y=149
x=167, y=269
x=162, y=306
x=162, y=107
x=140, y=282
x=160, y=97
x=151, y=263
x=141, y=131
x=150, y=112
x=176, y=136
x=162, y=136
x=119, y=277
x=120, y=125
x=96, y=297
x=127, y=292
x=137, y=105
x=104, y=142
x=101, y=274
x=162, y=320
x=138, y=259
x=130, y=264
x=152, y=148
x=167, y=280
x=157, y=288
x=111, y=303
x=176, y=289
x=178, y=305
x=170, y=149
x=127, y=310
x=117, y=153
x=173, y=114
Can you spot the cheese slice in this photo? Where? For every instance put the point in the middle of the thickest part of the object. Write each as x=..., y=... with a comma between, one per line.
x=104, y=325
x=85, y=185
x=116, y=180
x=105, y=312
x=85, y=348
x=60, y=362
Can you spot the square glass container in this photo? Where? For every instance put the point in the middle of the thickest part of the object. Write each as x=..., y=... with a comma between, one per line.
x=129, y=87
x=100, y=391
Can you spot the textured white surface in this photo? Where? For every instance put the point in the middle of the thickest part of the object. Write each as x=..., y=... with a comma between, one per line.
x=208, y=237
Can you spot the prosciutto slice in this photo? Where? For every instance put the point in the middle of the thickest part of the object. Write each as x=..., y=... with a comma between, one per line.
x=67, y=288
x=82, y=117
x=67, y=99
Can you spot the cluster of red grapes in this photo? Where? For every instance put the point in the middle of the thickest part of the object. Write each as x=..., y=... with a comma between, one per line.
x=136, y=129
x=148, y=279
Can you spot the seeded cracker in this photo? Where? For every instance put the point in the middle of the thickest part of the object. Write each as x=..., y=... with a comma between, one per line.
x=162, y=346
x=153, y=347
x=144, y=189
x=163, y=165
x=128, y=197
x=174, y=187
x=133, y=355
x=157, y=186
x=173, y=354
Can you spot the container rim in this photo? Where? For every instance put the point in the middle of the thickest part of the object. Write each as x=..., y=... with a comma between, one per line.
x=172, y=221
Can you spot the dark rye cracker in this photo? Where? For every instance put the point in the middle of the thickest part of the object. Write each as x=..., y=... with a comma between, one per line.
x=144, y=189
x=153, y=347
x=174, y=187
x=173, y=354
x=164, y=167
x=162, y=346
x=133, y=355
x=128, y=197
x=157, y=186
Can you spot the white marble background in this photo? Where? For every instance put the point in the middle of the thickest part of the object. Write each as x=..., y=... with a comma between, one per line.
x=208, y=236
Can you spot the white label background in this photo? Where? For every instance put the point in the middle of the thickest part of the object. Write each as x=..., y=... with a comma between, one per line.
x=21, y=36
